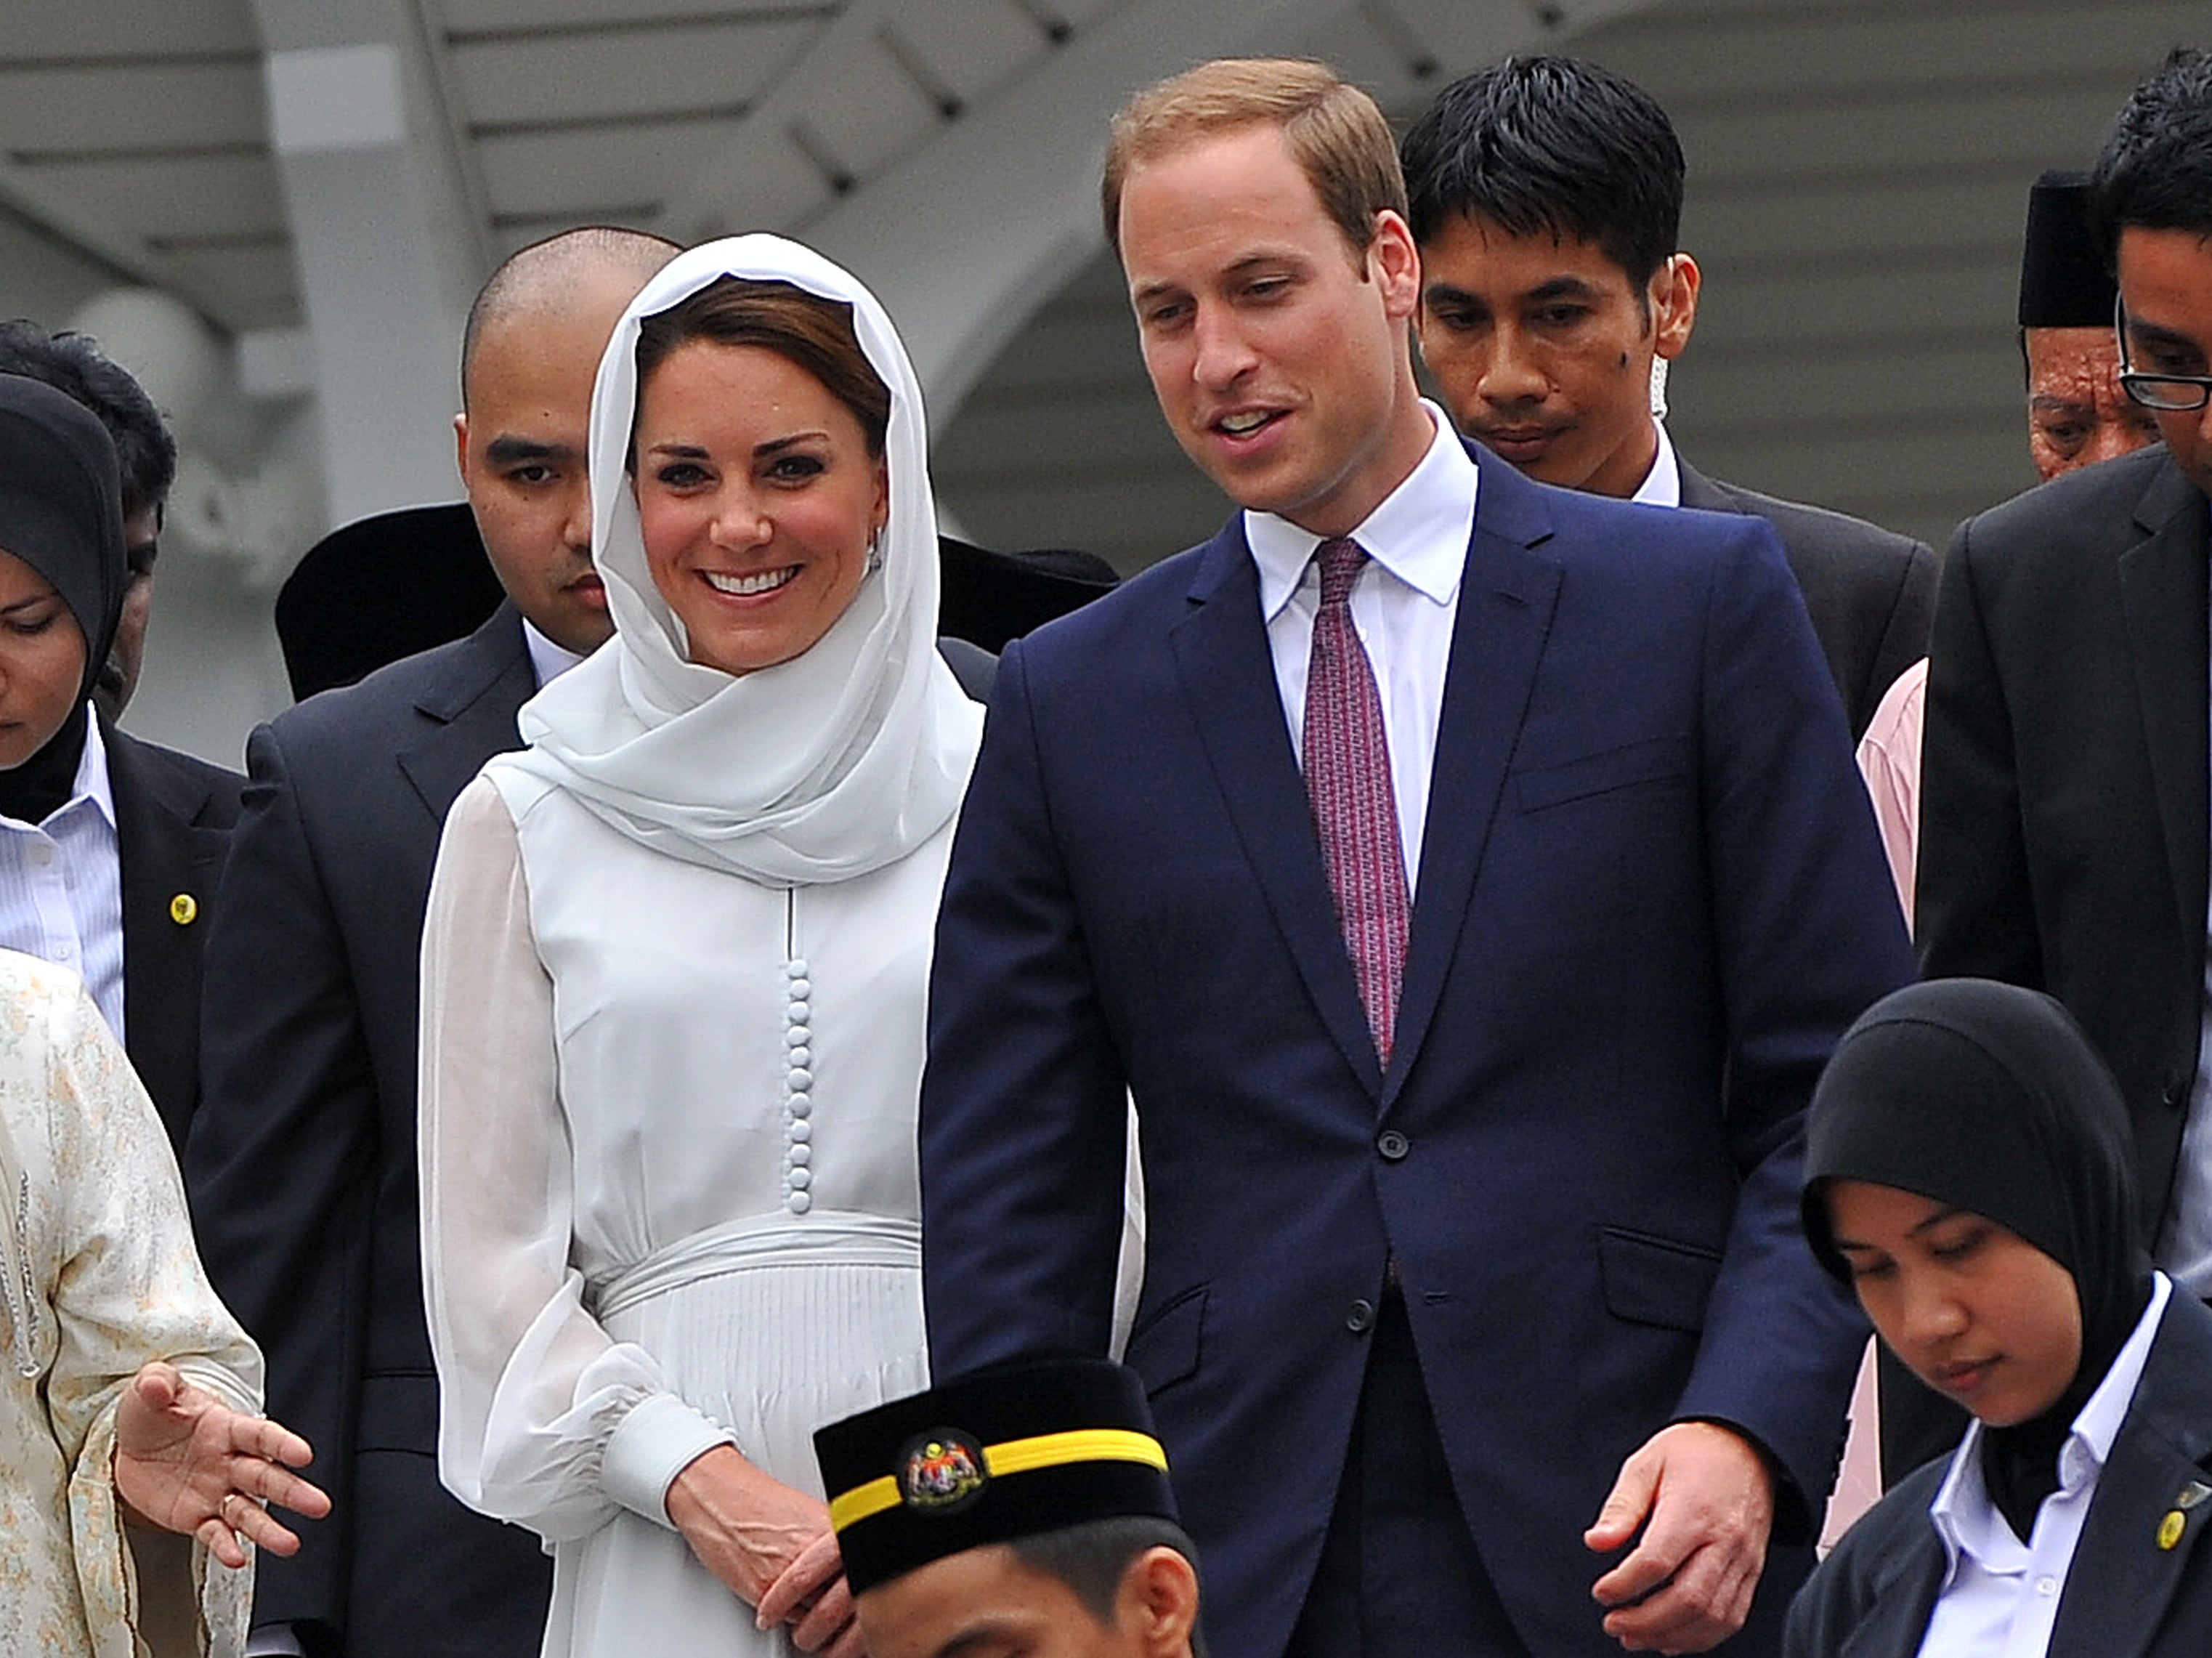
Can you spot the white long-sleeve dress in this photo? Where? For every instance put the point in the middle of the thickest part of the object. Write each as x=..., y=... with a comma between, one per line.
x=669, y=1195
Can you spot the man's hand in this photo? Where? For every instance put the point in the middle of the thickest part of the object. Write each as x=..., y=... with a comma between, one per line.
x=1704, y=1502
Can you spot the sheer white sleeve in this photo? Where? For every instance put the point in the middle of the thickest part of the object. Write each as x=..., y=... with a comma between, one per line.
x=544, y=1419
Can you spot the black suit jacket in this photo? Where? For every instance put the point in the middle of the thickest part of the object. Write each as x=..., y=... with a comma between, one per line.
x=1871, y=594
x=2063, y=822
x=2126, y=1596
x=173, y=821
x=302, y=1165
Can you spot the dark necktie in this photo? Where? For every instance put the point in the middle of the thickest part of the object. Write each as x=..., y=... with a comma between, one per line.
x=1347, y=767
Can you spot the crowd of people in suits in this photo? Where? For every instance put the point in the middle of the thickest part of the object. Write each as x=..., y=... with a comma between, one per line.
x=1385, y=1074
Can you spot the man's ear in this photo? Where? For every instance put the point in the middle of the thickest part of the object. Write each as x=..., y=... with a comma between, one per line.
x=1158, y=1603
x=1673, y=304
x=461, y=448
x=1395, y=264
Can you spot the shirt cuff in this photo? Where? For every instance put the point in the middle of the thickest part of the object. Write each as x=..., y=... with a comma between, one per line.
x=274, y=1640
x=660, y=1437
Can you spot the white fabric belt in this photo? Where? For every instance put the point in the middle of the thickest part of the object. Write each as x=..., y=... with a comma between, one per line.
x=836, y=1238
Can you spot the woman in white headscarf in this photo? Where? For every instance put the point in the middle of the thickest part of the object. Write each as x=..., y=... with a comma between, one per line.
x=674, y=974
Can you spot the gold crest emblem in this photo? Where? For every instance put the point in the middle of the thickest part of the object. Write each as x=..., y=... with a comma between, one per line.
x=942, y=1471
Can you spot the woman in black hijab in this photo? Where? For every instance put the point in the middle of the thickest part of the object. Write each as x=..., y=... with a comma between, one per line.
x=109, y=847
x=1967, y=1171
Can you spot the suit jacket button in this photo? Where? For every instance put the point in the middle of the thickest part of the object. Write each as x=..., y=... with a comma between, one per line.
x=1361, y=1318
x=1393, y=1146
x=2176, y=1089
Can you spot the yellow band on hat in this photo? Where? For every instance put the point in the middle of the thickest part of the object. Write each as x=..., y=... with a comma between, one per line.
x=1014, y=1456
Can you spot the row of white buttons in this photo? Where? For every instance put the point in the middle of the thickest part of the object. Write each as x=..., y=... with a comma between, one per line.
x=798, y=1087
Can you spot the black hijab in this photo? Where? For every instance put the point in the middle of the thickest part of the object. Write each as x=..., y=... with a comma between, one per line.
x=61, y=512
x=1988, y=1097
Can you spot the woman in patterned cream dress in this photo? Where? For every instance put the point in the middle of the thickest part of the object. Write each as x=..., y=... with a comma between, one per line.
x=674, y=973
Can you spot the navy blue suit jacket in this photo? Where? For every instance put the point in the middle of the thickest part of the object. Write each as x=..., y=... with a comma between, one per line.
x=1650, y=899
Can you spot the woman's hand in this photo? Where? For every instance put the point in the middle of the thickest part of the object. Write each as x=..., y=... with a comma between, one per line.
x=188, y=1463
x=771, y=1545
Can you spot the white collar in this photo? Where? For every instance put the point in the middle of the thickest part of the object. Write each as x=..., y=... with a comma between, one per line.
x=1419, y=533
x=91, y=782
x=1963, y=1515
x=547, y=661
x=1663, y=485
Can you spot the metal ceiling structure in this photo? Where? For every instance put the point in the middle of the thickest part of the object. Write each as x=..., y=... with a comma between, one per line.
x=323, y=184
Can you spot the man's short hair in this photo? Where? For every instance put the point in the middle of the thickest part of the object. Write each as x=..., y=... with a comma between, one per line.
x=536, y=275
x=2156, y=169
x=145, y=452
x=1092, y=1558
x=1551, y=146
x=1340, y=137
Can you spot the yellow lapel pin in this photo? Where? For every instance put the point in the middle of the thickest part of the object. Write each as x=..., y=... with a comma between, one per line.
x=2170, y=1528
x=183, y=909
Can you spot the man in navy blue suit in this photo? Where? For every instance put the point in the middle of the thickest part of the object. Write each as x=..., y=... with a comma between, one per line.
x=1476, y=1317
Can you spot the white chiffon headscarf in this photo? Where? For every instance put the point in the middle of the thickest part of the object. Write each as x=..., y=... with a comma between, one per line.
x=839, y=762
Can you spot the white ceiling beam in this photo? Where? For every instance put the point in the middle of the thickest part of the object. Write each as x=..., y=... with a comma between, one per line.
x=386, y=245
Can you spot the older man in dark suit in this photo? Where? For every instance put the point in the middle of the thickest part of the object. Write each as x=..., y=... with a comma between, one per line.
x=1547, y=197
x=301, y=1166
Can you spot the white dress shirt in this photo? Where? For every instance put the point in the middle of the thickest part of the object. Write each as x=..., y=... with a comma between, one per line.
x=547, y=661
x=1663, y=485
x=1403, y=606
x=61, y=883
x=2000, y=1596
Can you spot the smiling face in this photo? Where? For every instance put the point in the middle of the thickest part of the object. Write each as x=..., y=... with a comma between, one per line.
x=2166, y=285
x=758, y=498
x=1542, y=348
x=41, y=662
x=1978, y=1313
x=1278, y=352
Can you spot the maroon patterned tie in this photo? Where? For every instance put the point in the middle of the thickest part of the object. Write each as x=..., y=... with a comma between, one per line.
x=1347, y=767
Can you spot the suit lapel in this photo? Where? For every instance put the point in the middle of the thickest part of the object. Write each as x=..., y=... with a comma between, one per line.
x=2127, y=1565
x=1896, y=1620
x=1228, y=675
x=2163, y=588
x=1700, y=492
x=473, y=713
x=1507, y=596
x=162, y=857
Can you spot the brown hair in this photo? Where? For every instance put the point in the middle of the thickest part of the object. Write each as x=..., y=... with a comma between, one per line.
x=805, y=329
x=1334, y=128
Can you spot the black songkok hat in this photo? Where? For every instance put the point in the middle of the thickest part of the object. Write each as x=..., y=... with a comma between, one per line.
x=2062, y=280
x=995, y=1455
x=382, y=588
x=61, y=508
x=989, y=597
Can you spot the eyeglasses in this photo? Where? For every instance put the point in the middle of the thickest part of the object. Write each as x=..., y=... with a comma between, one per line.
x=2172, y=394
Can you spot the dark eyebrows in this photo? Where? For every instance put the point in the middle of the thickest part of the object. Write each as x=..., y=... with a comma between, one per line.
x=761, y=451
x=1562, y=287
x=508, y=450
x=2149, y=333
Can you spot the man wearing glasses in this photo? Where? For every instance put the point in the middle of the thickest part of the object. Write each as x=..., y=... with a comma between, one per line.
x=2065, y=840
